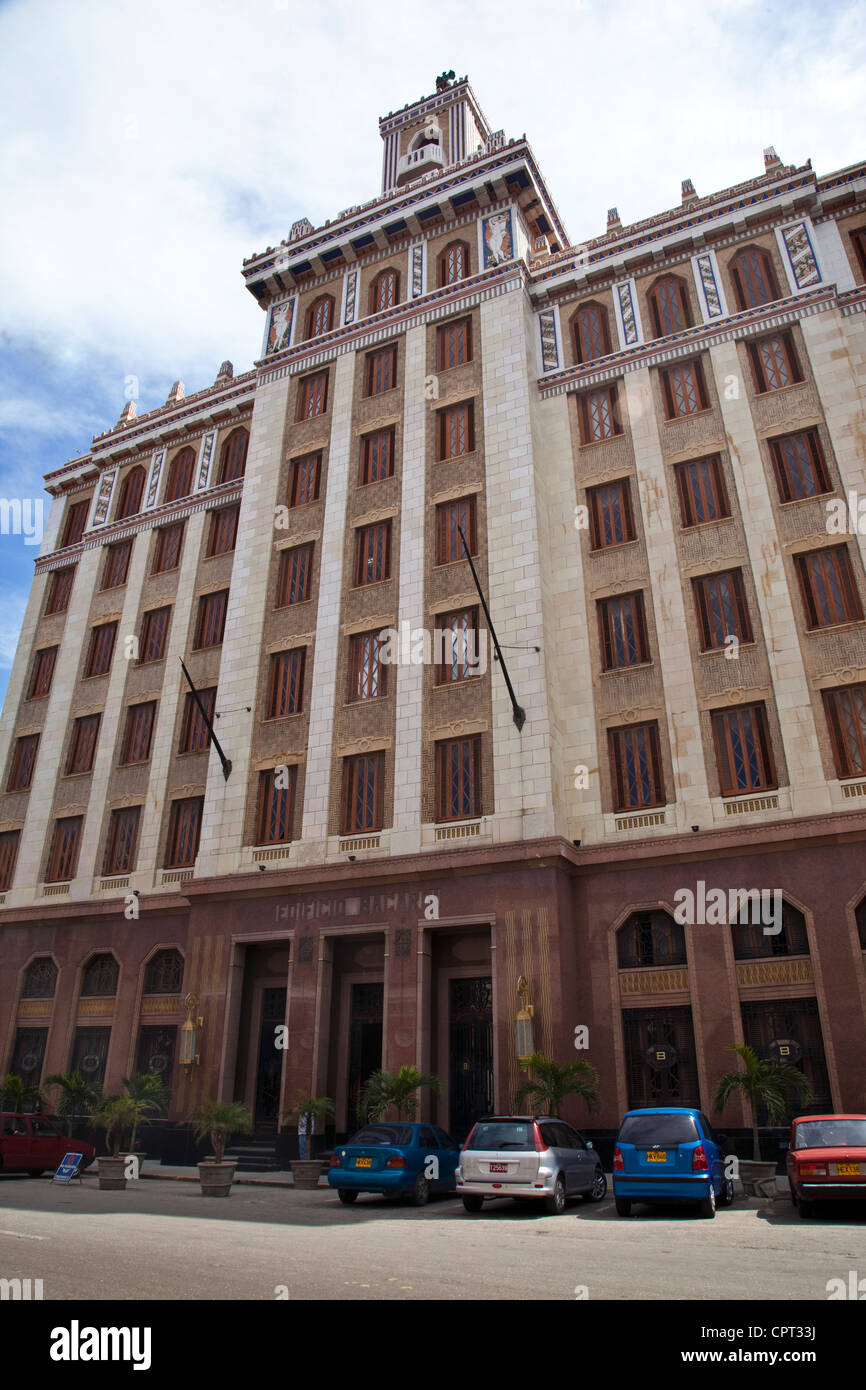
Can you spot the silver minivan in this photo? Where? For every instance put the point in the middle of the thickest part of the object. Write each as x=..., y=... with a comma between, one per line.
x=528, y=1157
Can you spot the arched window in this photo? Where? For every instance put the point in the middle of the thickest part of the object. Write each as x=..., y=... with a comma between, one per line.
x=650, y=938
x=233, y=461
x=41, y=979
x=754, y=278
x=669, y=306
x=320, y=316
x=164, y=974
x=131, y=491
x=384, y=291
x=591, y=332
x=767, y=926
x=454, y=263
x=100, y=976
x=180, y=475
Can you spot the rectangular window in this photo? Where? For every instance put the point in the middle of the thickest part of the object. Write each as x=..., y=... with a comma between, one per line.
x=743, y=754
x=154, y=631
x=827, y=584
x=858, y=241
x=368, y=677
x=456, y=430
x=76, y=520
x=774, y=362
x=701, y=489
x=122, y=840
x=294, y=576
x=373, y=553
x=451, y=519
x=63, y=859
x=286, y=683
x=635, y=767
x=138, y=733
x=223, y=530
x=169, y=540
x=59, y=590
x=43, y=672
x=82, y=748
x=377, y=456
x=846, y=718
x=720, y=602
x=798, y=462
x=458, y=635
x=8, y=854
x=23, y=763
x=458, y=778
x=194, y=732
x=99, y=656
x=380, y=371
x=313, y=396
x=684, y=389
x=304, y=485
x=622, y=625
x=276, y=809
x=363, y=793
x=211, y=619
x=611, y=521
x=453, y=344
x=184, y=832
x=116, y=565
x=599, y=415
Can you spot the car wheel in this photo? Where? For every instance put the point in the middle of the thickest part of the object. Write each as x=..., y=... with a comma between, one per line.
x=598, y=1191
x=554, y=1205
x=473, y=1204
x=793, y=1197
x=420, y=1194
x=346, y=1196
x=623, y=1206
x=726, y=1196
x=707, y=1207
x=806, y=1209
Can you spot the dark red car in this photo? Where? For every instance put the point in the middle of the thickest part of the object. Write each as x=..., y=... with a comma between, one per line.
x=33, y=1143
x=827, y=1160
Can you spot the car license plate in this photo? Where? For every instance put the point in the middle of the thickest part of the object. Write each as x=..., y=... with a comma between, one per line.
x=656, y=1155
x=848, y=1170
x=363, y=1162
x=499, y=1167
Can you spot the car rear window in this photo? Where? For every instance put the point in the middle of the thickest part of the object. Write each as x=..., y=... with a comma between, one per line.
x=830, y=1134
x=645, y=1131
x=383, y=1134
x=502, y=1134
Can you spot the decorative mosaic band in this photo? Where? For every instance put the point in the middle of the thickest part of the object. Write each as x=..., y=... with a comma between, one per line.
x=279, y=326
x=801, y=254
x=103, y=498
x=205, y=458
x=153, y=485
x=626, y=309
x=351, y=295
x=712, y=298
x=549, y=344
x=417, y=271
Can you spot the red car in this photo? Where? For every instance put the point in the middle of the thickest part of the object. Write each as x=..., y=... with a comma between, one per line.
x=32, y=1144
x=827, y=1160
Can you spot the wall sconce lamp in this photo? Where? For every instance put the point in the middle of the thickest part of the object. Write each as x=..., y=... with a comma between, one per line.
x=524, y=1044
x=190, y=1034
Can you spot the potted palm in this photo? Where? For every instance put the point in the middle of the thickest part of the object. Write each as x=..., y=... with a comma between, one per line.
x=551, y=1083
x=17, y=1095
x=765, y=1085
x=115, y=1115
x=219, y=1120
x=151, y=1096
x=398, y=1089
x=77, y=1096
x=306, y=1170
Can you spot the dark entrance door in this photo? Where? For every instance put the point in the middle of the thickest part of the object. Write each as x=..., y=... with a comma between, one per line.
x=470, y=1052
x=269, y=1070
x=660, y=1057
x=365, y=1045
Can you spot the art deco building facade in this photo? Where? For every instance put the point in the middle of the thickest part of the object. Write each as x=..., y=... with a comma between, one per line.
x=639, y=437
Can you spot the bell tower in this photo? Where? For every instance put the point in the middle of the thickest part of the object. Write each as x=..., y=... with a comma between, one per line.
x=431, y=135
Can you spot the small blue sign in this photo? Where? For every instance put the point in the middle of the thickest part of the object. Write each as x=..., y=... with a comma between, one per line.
x=68, y=1168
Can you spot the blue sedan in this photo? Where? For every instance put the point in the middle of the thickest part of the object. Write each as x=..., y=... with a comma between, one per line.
x=395, y=1159
x=669, y=1154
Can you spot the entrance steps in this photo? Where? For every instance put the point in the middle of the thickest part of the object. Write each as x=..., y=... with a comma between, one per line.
x=255, y=1156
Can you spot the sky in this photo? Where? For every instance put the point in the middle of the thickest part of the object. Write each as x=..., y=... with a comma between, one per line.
x=147, y=148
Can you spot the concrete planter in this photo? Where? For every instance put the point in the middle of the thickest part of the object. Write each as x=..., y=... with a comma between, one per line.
x=216, y=1178
x=112, y=1173
x=306, y=1173
x=758, y=1179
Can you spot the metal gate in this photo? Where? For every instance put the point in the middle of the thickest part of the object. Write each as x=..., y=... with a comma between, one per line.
x=470, y=1052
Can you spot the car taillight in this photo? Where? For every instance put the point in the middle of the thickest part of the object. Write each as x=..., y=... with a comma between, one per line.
x=465, y=1144
x=335, y=1161
x=540, y=1145
x=699, y=1160
x=812, y=1170
x=618, y=1160
x=395, y=1161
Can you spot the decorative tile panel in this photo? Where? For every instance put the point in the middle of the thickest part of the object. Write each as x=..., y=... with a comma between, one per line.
x=709, y=287
x=549, y=342
x=351, y=295
x=205, y=458
x=627, y=313
x=417, y=271
x=103, y=498
x=153, y=482
x=796, y=971
x=497, y=238
x=279, y=334
x=801, y=254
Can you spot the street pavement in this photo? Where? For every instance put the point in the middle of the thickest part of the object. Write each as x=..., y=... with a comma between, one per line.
x=160, y=1239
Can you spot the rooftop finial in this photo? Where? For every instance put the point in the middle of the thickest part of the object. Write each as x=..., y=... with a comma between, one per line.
x=444, y=80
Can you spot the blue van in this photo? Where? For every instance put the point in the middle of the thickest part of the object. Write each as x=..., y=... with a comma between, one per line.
x=669, y=1154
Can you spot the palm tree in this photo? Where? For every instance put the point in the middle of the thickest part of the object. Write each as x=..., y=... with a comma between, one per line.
x=384, y=1089
x=221, y=1119
x=17, y=1094
x=77, y=1095
x=766, y=1086
x=146, y=1088
x=116, y=1114
x=551, y=1083
x=309, y=1108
